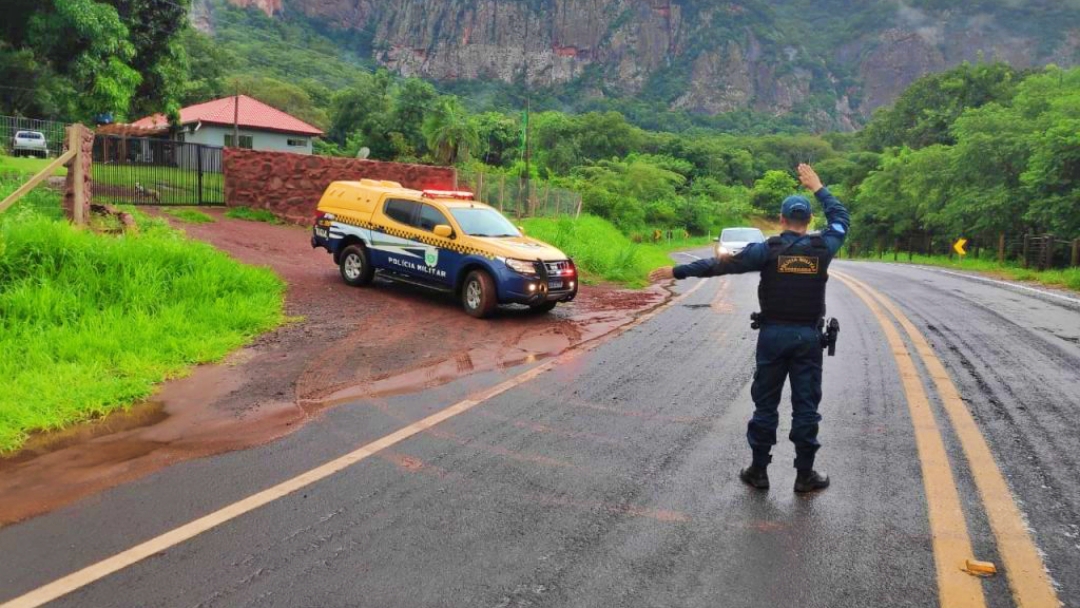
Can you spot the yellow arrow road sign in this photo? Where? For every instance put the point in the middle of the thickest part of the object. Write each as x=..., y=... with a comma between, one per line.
x=958, y=246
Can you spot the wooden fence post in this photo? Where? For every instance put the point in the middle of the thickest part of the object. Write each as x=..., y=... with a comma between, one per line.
x=1075, y=253
x=1001, y=248
x=1026, y=249
x=78, y=179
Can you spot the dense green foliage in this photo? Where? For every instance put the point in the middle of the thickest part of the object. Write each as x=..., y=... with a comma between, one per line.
x=600, y=250
x=77, y=59
x=1007, y=166
x=89, y=323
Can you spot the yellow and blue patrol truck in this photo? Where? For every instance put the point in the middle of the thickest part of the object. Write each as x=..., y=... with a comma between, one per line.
x=439, y=239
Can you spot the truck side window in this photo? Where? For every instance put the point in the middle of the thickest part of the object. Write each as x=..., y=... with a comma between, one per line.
x=431, y=217
x=400, y=211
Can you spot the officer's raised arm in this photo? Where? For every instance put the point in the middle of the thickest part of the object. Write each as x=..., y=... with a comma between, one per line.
x=837, y=218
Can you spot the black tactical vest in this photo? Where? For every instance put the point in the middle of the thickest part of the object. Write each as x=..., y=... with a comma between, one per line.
x=792, y=288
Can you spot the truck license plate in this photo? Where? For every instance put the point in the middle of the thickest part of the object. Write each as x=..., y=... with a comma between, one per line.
x=555, y=284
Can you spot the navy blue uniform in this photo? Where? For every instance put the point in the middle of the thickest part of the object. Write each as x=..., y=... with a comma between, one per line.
x=786, y=348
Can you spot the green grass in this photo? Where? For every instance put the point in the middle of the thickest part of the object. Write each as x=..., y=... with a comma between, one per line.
x=27, y=165
x=252, y=215
x=599, y=249
x=190, y=216
x=1069, y=277
x=90, y=323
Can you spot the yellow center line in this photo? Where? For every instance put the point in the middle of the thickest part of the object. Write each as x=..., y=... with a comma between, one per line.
x=163, y=542
x=1024, y=566
x=948, y=528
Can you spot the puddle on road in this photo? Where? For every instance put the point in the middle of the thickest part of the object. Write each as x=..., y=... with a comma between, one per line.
x=198, y=416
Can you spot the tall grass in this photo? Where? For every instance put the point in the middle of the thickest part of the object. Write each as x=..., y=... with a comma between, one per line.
x=41, y=200
x=599, y=249
x=89, y=323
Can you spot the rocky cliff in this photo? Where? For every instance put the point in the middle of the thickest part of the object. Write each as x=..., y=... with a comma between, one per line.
x=834, y=61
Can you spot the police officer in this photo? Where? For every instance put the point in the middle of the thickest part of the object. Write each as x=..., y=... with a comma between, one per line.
x=794, y=269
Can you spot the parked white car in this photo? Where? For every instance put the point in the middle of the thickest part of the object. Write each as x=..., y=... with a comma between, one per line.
x=734, y=240
x=30, y=143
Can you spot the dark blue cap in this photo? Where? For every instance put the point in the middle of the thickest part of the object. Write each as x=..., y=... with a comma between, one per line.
x=796, y=208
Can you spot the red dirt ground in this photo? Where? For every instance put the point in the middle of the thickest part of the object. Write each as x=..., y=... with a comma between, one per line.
x=324, y=357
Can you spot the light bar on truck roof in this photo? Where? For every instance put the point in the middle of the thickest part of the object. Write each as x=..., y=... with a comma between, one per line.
x=460, y=195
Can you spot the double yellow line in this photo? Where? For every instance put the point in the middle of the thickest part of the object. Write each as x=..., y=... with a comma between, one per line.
x=1023, y=564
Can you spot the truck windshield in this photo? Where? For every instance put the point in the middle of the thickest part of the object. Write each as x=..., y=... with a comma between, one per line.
x=484, y=222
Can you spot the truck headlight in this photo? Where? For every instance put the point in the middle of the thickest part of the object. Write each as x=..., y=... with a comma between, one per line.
x=723, y=250
x=521, y=266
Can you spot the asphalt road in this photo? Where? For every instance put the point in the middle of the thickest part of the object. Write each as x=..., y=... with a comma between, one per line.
x=608, y=479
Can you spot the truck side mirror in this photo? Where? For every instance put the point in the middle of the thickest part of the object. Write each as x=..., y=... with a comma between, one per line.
x=521, y=229
x=444, y=231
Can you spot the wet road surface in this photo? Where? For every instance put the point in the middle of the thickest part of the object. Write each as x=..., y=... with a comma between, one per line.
x=608, y=478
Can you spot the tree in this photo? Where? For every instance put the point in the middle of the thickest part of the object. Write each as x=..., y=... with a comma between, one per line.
x=284, y=96
x=449, y=132
x=771, y=190
x=154, y=30
x=925, y=112
x=88, y=45
x=411, y=101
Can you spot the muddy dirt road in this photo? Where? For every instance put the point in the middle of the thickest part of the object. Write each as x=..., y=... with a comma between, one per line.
x=341, y=344
x=606, y=476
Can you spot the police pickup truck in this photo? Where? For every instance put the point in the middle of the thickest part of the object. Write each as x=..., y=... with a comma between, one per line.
x=443, y=240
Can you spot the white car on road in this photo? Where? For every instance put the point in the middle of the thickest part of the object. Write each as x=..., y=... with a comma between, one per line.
x=734, y=240
x=30, y=143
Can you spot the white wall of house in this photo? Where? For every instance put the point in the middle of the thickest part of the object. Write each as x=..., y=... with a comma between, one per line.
x=261, y=140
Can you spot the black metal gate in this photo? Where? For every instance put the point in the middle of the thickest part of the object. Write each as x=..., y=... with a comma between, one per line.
x=147, y=171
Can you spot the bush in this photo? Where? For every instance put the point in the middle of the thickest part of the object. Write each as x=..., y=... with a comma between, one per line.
x=599, y=249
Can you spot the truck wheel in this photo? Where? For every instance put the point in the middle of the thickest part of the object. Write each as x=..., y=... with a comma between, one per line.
x=355, y=266
x=543, y=307
x=478, y=294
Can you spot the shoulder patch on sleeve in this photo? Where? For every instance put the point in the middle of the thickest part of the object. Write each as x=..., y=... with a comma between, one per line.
x=839, y=228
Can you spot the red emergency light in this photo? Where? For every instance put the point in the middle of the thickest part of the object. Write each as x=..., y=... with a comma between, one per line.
x=460, y=195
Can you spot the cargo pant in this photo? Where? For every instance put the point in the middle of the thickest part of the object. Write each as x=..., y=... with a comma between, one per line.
x=786, y=351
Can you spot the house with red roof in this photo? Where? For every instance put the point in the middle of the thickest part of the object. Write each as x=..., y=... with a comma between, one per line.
x=260, y=126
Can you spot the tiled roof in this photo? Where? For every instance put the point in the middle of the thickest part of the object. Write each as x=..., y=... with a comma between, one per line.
x=253, y=114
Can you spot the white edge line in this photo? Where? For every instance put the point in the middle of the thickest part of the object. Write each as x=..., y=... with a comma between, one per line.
x=1007, y=284
x=167, y=540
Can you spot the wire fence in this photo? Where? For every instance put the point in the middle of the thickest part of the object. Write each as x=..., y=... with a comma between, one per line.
x=1040, y=251
x=519, y=197
x=55, y=142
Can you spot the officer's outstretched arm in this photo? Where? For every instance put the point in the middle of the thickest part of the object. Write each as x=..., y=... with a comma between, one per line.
x=749, y=260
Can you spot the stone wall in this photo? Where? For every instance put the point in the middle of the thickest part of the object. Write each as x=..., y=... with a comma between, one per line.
x=86, y=137
x=290, y=185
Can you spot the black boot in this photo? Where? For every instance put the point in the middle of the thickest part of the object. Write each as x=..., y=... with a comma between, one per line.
x=755, y=477
x=809, y=480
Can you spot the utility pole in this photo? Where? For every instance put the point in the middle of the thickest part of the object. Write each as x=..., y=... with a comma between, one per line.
x=528, y=156
x=236, y=116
